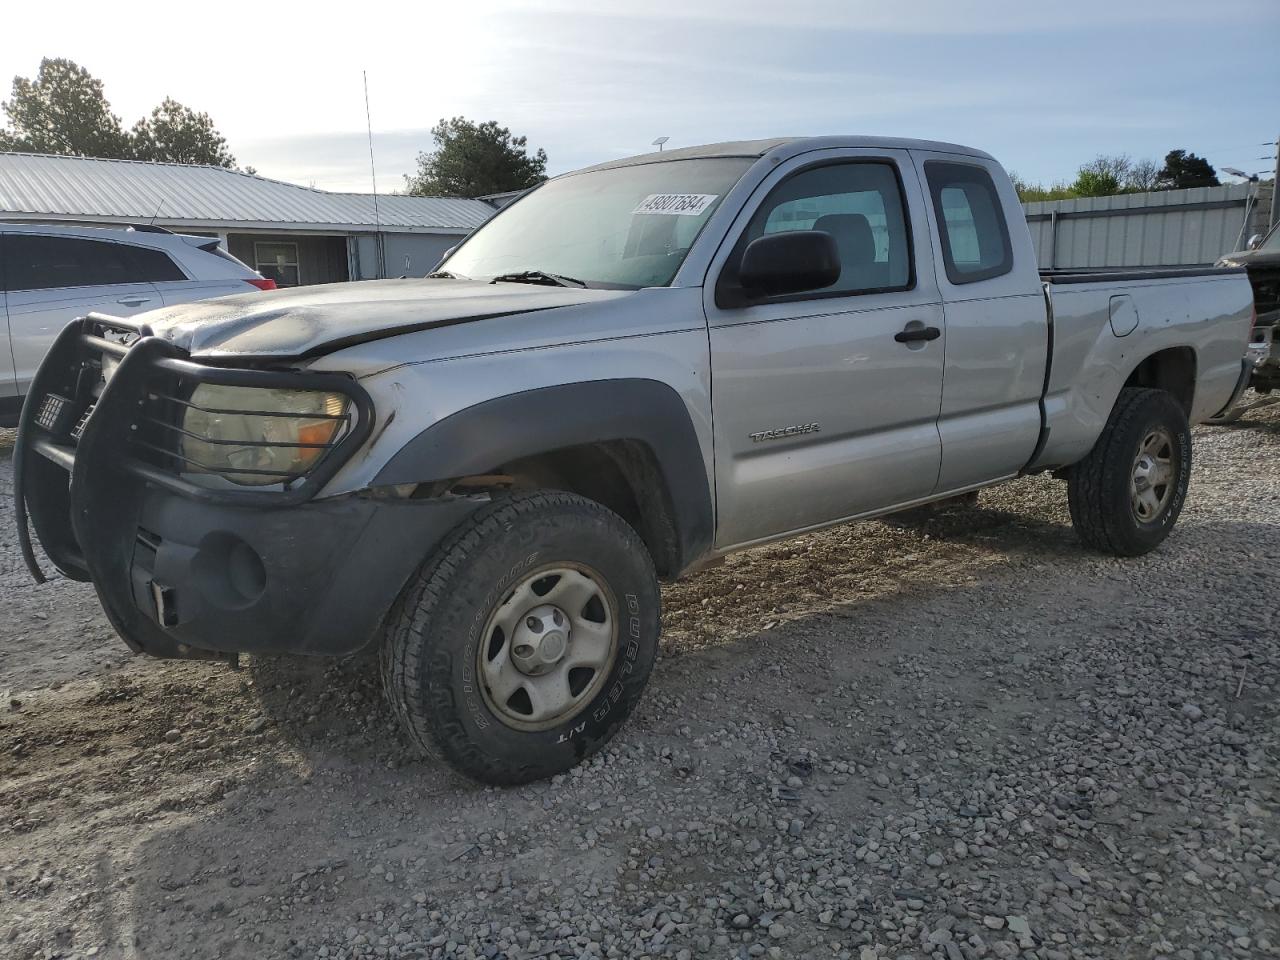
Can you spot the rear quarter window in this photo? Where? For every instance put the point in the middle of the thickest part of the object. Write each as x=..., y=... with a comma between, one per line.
x=154, y=266
x=974, y=234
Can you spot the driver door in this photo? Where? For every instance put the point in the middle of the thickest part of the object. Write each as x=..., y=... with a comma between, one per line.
x=826, y=403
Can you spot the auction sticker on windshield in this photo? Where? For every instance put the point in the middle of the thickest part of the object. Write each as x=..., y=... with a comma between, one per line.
x=679, y=204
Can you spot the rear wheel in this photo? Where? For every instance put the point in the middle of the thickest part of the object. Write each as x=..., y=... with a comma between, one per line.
x=523, y=644
x=1126, y=495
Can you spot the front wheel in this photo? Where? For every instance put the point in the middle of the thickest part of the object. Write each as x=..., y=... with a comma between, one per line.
x=1126, y=495
x=523, y=644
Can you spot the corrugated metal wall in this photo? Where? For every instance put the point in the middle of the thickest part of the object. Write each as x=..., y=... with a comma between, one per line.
x=414, y=254
x=1163, y=229
x=401, y=254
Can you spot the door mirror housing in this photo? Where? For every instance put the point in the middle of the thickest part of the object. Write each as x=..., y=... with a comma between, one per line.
x=1255, y=242
x=789, y=262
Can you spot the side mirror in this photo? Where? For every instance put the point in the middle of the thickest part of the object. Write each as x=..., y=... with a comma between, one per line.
x=1254, y=242
x=790, y=262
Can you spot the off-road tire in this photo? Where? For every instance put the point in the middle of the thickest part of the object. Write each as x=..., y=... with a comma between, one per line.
x=431, y=634
x=1098, y=487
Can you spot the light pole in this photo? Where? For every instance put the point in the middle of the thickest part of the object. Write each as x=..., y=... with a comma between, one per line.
x=1275, y=191
x=659, y=142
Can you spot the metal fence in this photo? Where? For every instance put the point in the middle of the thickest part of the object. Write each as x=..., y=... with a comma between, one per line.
x=1162, y=229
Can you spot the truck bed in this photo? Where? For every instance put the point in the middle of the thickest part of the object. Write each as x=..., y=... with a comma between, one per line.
x=1104, y=324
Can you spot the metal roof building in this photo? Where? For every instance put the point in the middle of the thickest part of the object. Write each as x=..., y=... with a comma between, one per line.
x=292, y=233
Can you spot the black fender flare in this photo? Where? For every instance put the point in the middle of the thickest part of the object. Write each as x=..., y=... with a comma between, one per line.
x=476, y=439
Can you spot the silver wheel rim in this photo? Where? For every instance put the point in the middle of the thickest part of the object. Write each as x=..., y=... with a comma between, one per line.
x=548, y=647
x=1152, y=482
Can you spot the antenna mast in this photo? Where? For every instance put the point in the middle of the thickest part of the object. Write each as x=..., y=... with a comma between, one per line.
x=373, y=176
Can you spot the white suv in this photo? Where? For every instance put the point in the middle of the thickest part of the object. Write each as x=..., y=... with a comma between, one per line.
x=49, y=275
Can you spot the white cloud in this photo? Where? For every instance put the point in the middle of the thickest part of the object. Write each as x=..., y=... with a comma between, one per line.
x=590, y=79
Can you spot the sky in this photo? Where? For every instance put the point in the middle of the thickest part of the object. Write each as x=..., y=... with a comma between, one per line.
x=1044, y=86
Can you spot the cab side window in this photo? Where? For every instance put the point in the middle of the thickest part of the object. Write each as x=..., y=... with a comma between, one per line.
x=860, y=204
x=34, y=262
x=975, y=237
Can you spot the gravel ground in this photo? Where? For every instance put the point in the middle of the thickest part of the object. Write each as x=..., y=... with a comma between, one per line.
x=949, y=735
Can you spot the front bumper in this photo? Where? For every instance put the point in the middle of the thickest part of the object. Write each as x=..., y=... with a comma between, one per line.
x=187, y=571
x=314, y=578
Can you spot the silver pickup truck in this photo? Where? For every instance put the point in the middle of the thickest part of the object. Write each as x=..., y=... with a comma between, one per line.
x=630, y=372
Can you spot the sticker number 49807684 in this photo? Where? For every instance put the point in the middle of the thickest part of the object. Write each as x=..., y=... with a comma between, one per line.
x=678, y=204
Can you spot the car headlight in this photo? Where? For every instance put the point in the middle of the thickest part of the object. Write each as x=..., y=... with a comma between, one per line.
x=256, y=436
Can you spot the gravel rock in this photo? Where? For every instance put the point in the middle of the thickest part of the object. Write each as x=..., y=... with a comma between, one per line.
x=950, y=735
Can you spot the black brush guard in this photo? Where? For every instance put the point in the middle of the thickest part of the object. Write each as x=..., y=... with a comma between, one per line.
x=87, y=451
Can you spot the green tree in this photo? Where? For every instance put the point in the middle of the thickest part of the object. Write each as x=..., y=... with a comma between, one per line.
x=1094, y=183
x=177, y=134
x=472, y=160
x=1031, y=192
x=63, y=110
x=1103, y=176
x=1143, y=176
x=1183, y=170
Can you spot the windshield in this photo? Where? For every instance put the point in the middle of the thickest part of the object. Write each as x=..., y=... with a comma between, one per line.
x=627, y=227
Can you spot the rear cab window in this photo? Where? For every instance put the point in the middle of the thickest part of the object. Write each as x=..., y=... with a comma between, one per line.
x=971, y=223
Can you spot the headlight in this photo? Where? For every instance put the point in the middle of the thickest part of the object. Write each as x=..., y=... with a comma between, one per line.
x=257, y=436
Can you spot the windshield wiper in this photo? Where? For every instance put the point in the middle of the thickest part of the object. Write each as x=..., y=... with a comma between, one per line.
x=445, y=275
x=539, y=276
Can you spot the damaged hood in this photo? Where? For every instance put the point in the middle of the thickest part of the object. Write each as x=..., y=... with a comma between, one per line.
x=309, y=321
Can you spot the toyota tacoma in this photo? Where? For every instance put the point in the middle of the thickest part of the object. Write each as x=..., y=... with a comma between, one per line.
x=626, y=374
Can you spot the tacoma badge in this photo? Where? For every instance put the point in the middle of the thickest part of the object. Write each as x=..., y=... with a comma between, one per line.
x=784, y=432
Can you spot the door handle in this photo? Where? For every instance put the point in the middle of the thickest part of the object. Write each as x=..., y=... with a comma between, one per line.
x=913, y=334
x=133, y=301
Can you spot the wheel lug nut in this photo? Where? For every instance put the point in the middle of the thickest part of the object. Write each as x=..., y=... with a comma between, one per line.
x=533, y=624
